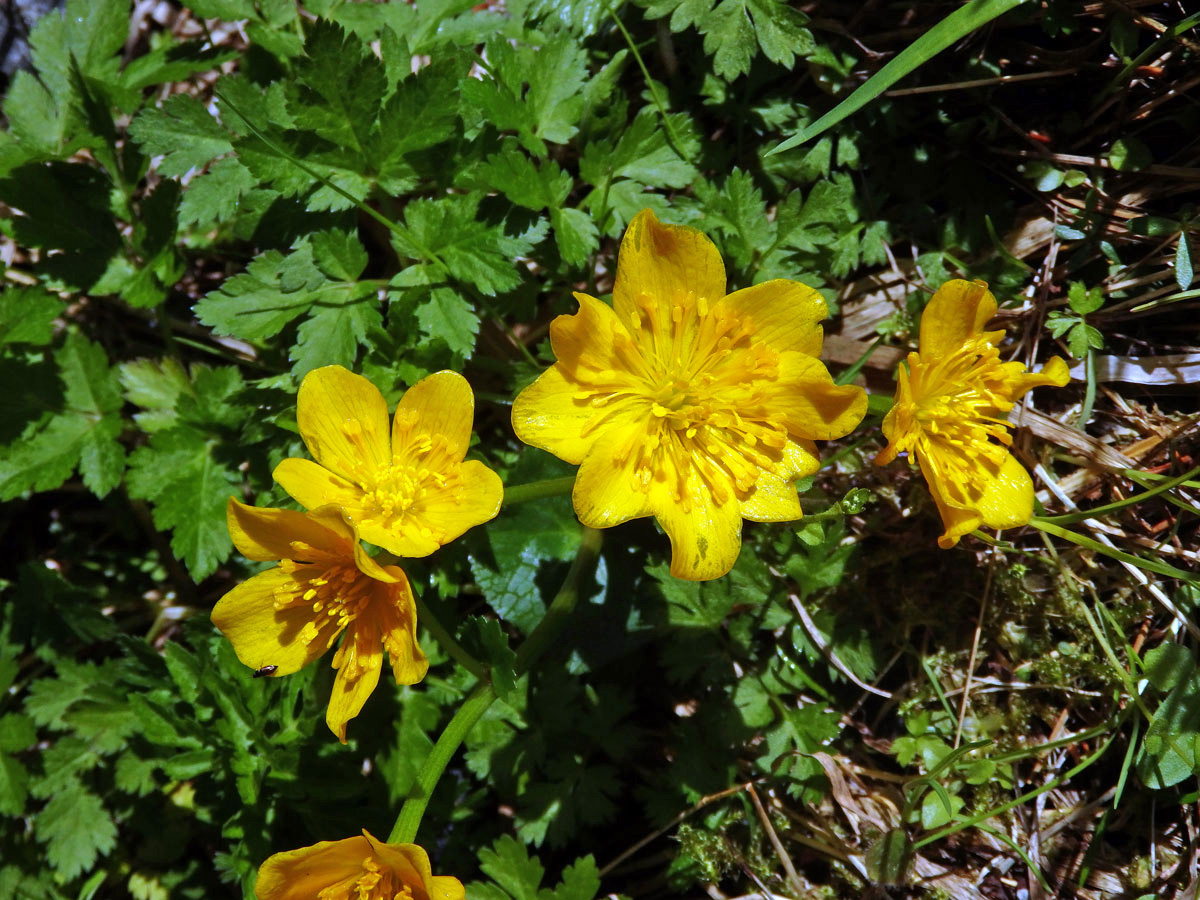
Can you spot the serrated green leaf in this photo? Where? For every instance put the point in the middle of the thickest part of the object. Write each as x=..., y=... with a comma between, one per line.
x=17, y=732
x=213, y=196
x=155, y=386
x=340, y=87
x=509, y=864
x=580, y=881
x=189, y=488
x=272, y=291
x=14, y=786
x=337, y=324
x=64, y=762
x=575, y=234
x=339, y=254
x=448, y=317
x=27, y=316
x=183, y=132
x=76, y=829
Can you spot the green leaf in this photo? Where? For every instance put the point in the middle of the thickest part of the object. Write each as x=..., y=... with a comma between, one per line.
x=27, y=316
x=272, y=291
x=1129, y=154
x=1183, y=263
x=1082, y=300
x=14, y=786
x=155, y=386
x=338, y=323
x=183, y=132
x=575, y=234
x=213, y=196
x=499, y=657
x=340, y=89
x=448, y=317
x=1168, y=666
x=76, y=829
x=508, y=864
x=580, y=881
x=967, y=18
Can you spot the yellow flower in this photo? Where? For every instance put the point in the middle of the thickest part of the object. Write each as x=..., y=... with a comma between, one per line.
x=357, y=868
x=950, y=411
x=325, y=583
x=685, y=404
x=409, y=492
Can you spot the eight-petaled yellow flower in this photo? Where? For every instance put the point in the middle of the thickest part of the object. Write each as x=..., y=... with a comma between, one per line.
x=409, y=491
x=325, y=584
x=950, y=411
x=684, y=403
x=357, y=868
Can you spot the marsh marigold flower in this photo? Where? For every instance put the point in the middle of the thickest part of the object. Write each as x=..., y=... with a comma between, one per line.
x=686, y=404
x=325, y=584
x=358, y=868
x=950, y=409
x=408, y=491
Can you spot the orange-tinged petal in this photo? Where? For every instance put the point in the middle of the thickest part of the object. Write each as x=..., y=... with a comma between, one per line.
x=956, y=519
x=665, y=261
x=264, y=533
x=956, y=314
x=782, y=314
x=344, y=422
x=313, y=486
x=806, y=400
x=606, y=491
x=264, y=636
x=302, y=874
x=445, y=405
x=358, y=660
x=706, y=537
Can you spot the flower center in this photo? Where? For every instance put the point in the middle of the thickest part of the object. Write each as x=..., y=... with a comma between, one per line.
x=337, y=592
x=372, y=883
x=707, y=387
x=421, y=465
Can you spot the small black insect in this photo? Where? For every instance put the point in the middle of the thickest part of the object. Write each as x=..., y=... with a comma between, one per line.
x=264, y=671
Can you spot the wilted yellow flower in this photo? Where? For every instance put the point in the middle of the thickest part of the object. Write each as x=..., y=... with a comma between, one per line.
x=357, y=868
x=409, y=492
x=950, y=411
x=685, y=404
x=325, y=583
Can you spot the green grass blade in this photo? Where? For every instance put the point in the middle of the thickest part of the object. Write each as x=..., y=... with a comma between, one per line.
x=959, y=23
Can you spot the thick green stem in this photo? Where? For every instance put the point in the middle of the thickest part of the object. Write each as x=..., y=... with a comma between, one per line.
x=480, y=699
x=538, y=490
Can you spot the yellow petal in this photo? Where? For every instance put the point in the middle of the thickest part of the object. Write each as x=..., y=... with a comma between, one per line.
x=956, y=519
x=450, y=512
x=397, y=622
x=706, y=538
x=1007, y=499
x=955, y=315
x=405, y=539
x=264, y=533
x=665, y=261
x=313, y=486
x=445, y=405
x=774, y=497
x=806, y=400
x=358, y=661
x=606, y=492
x=344, y=422
x=782, y=314
x=302, y=874
x=264, y=636
x=547, y=415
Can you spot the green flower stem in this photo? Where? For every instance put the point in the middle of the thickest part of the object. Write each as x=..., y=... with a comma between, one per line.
x=480, y=699
x=1097, y=512
x=538, y=490
x=446, y=641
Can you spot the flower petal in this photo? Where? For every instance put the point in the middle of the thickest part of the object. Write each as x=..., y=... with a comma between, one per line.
x=264, y=533
x=358, y=660
x=705, y=537
x=955, y=315
x=782, y=314
x=606, y=492
x=1007, y=499
x=445, y=405
x=313, y=486
x=450, y=512
x=806, y=400
x=665, y=261
x=407, y=539
x=344, y=422
x=956, y=519
x=304, y=873
x=265, y=636
x=398, y=627
x=774, y=497
x=547, y=415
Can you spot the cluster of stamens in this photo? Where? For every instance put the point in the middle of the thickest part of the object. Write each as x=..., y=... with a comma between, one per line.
x=705, y=384
x=373, y=883
x=334, y=588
